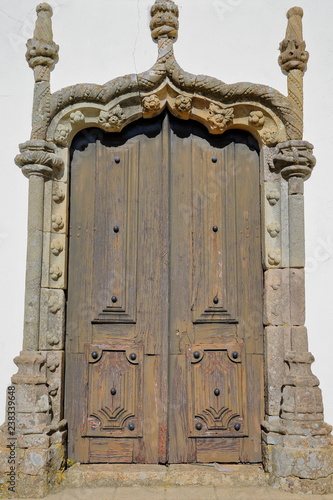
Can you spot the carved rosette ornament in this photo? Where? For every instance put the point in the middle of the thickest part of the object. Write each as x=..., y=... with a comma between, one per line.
x=269, y=137
x=77, y=117
x=183, y=103
x=62, y=133
x=56, y=247
x=151, y=103
x=273, y=196
x=257, y=119
x=112, y=119
x=219, y=117
x=58, y=195
x=274, y=229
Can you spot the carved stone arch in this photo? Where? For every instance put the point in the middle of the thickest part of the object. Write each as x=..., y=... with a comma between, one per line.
x=295, y=439
x=259, y=120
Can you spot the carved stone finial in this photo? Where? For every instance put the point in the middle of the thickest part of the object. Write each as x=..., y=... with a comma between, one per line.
x=164, y=22
x=41, y=49
x=293, y=54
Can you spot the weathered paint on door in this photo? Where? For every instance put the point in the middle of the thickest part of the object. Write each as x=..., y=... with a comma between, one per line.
x=164, y=344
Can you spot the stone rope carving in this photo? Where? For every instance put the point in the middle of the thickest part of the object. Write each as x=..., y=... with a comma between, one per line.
x=164, y=27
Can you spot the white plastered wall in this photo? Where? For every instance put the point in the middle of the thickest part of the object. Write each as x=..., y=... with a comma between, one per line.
x=233, y=40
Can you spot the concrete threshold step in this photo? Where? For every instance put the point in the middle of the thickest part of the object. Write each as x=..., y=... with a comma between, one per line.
x=219, y=475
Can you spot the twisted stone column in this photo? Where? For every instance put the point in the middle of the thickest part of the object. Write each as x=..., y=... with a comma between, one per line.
x=293, y=59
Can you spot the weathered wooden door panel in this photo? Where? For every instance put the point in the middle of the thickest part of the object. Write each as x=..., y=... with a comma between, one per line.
x=164, y=263
x=217, y=391
x=114, y=391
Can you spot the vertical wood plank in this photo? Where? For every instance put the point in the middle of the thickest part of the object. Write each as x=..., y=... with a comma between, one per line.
x=81, y=250
x=75, y=408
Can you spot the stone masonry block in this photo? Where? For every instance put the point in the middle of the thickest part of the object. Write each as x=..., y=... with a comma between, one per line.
x=299, y=339
x=305, y=463
x=33, y=441
x=297, y=297
x=52, y=319
x=32, y=398
x=272, y=297
x=296, y=231
x=33, y=461
x=4, y=454
x=32, y=486
x=32, y=423
x=275, y=368
x=284, y=300
x=57, y=458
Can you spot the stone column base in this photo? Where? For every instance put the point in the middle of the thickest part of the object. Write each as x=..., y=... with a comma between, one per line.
x=320, y=486
x=297, y=468
x=33, y=439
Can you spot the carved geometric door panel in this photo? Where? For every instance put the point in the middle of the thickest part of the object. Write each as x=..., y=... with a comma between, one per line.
x=164, y=336
x=114, y=387
x=217, y=404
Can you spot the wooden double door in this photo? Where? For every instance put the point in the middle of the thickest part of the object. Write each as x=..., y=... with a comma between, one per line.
x=164, y=321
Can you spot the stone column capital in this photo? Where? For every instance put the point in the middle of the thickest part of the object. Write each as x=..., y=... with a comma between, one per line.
x=38, y=158
x=293, y=159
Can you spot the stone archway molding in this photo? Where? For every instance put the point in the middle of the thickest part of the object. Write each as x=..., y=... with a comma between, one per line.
x=296, y=443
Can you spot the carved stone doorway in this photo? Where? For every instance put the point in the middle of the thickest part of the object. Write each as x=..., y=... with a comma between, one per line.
x=164, y=336
x=295, y=441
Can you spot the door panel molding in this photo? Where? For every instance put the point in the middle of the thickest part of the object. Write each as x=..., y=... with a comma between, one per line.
x=113, y=391
x=117, y=218
x=217, y=390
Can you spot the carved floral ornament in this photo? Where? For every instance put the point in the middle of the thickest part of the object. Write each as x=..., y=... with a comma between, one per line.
x=261, y=122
